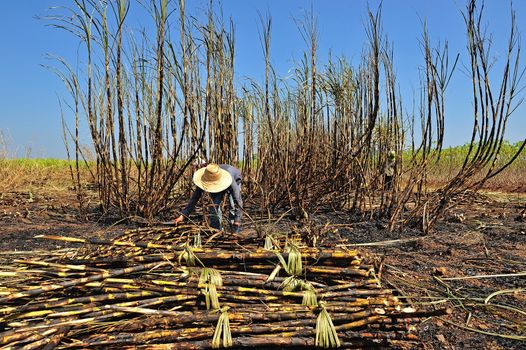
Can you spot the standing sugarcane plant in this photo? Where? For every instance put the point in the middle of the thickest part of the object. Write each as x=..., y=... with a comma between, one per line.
x=147, y=112
x=331, y=136
x=491, y=111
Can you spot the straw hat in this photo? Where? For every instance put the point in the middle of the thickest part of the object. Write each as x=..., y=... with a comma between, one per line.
x=212, y=179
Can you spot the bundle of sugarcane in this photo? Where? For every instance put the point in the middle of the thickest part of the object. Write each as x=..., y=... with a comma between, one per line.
x=178, y=293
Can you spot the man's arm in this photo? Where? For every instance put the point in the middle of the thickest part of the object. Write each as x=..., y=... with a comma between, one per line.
x=193, y=201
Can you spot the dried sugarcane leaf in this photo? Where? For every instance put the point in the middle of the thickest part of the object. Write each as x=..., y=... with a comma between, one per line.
x=309, y=298
x=222, y=331
x=326, y=336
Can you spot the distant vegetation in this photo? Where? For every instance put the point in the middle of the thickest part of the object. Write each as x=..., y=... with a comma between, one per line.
x=36, y=163
x=16, y=173
x=511, y=179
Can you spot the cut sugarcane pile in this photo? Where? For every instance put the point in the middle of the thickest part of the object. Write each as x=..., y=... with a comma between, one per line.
x=189, y=288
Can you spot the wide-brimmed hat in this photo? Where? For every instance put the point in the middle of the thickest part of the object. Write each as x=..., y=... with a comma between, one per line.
x=212, y=179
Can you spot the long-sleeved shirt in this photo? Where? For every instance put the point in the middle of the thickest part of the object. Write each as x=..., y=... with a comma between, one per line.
x=234, y=190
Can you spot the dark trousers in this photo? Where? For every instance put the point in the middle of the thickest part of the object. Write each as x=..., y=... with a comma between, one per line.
x=215, y=213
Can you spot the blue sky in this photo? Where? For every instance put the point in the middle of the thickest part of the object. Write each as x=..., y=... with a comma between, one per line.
x=29, y=108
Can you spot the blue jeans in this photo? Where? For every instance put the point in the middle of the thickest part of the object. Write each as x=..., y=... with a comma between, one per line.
x=215, y=213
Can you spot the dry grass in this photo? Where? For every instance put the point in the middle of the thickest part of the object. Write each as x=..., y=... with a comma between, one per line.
x=510, y=180
x=30, y=174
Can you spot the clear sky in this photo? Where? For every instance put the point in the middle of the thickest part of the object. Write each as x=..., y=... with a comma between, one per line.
x=29, y=108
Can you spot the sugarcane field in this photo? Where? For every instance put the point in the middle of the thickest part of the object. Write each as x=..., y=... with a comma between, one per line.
x=205, y=174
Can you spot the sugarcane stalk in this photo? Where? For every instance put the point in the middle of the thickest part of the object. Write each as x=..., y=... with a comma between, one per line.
x=91, y=318
x=392, y=335
x=76, y=282
x=202, y=317
x=411, y=313
x=38, y=344
x=17, y=338
x=358, y=323
x=370, y=283
x=56, y=338
x=251, y=342
x=55, y=265
x=80, y=300
x=189, y=333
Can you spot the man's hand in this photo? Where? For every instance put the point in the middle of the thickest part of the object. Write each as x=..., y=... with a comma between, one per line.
x=179, y=219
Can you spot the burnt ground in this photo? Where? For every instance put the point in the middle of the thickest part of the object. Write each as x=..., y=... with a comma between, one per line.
x=24, y=215
x=486, y=236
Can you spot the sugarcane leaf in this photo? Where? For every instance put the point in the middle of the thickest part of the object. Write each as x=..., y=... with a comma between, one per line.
x=197, y=240
x=326, y=336
x=290, y=284
x=505, y=291
x=294, y=262
x=210, y=275
x=222, y=331
x=269, y=245
x=283, y=262
x=309, y=298
x=273, y=274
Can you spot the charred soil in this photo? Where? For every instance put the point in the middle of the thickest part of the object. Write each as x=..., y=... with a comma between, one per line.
x=477, y=250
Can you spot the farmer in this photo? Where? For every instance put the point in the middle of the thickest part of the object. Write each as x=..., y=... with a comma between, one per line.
x=217, y=180
x=390, y=170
